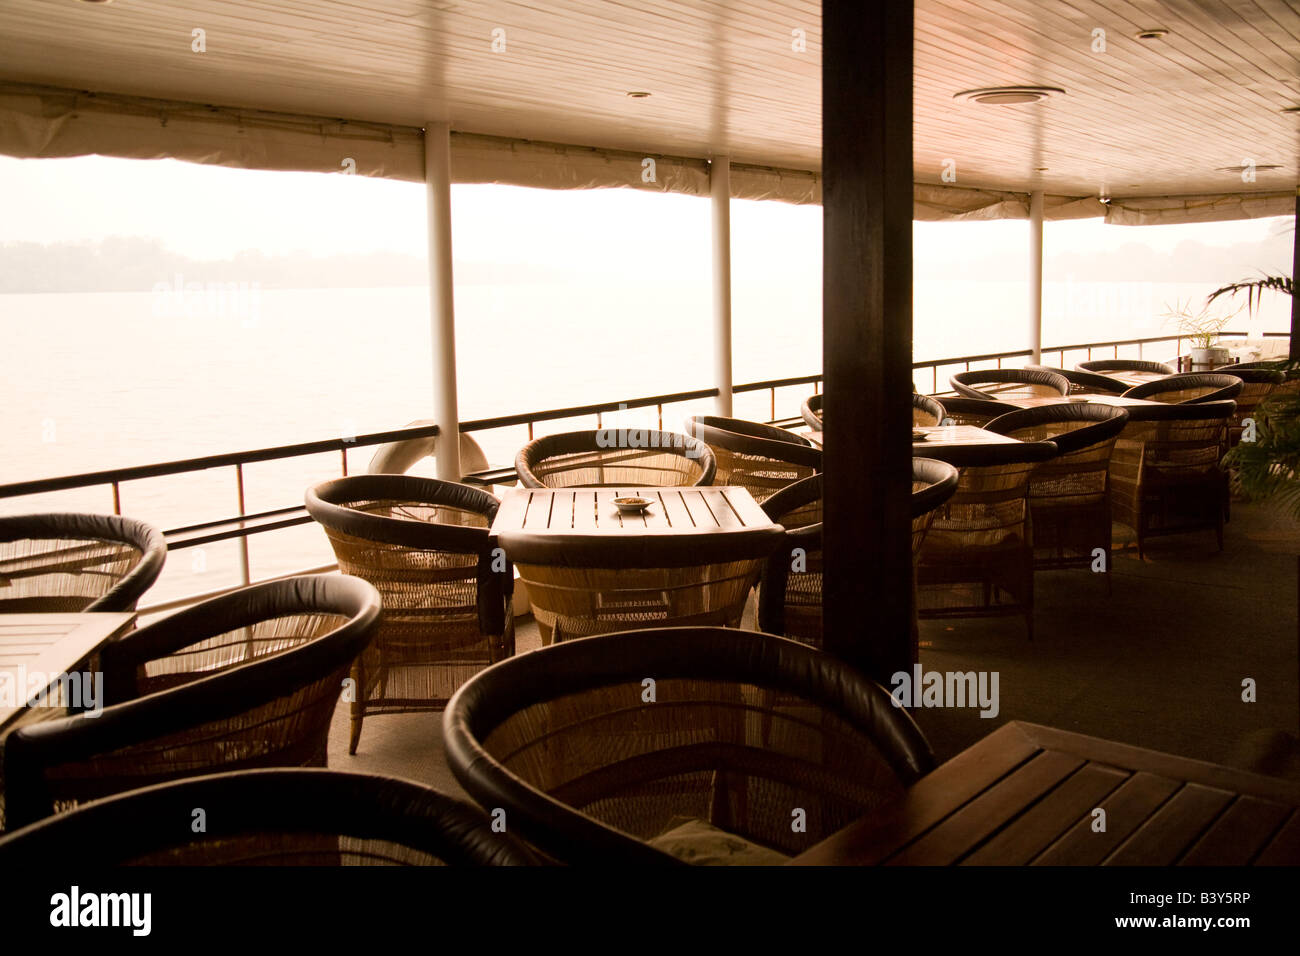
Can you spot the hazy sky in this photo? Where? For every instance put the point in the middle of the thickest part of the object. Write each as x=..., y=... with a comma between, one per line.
x=212, y=212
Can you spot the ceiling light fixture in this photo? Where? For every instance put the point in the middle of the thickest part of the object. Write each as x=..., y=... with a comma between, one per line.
x=1152, y=34
x=1258, y=167
x=637, y=94
x=1008, y=95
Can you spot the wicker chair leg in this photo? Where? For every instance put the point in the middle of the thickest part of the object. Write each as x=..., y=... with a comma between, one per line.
x=358, y=709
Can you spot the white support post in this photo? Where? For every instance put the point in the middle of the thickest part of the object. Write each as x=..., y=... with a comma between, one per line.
x=442, y=307
x=1036, y=276
x=720, y=192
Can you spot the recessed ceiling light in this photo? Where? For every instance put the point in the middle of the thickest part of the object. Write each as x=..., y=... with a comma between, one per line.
x=1008, y=95
x=637, y=94
x=1152, y=34
x=1040, y=169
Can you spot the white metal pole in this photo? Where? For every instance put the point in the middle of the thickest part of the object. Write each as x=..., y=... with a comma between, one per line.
x=1036, y=275
x=720, y=192
x=442, y=307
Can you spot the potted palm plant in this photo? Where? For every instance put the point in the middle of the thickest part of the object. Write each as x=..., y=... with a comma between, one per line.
x=1202, y=328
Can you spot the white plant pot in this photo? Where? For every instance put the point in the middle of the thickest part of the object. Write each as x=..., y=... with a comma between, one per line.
x=1213, y=356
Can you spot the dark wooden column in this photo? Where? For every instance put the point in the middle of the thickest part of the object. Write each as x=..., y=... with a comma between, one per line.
x=1295, y=275
x=867, y=331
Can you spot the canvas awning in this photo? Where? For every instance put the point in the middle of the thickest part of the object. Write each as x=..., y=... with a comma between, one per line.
x=46, y=122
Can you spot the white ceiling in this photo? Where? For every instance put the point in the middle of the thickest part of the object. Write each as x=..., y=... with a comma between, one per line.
x=1138, y=119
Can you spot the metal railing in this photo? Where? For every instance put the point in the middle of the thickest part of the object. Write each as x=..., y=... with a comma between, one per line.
x=242, y=525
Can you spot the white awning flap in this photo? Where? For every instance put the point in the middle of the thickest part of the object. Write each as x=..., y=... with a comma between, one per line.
x=46, y=122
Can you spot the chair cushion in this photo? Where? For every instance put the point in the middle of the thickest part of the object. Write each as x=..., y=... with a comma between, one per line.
x=699, y=842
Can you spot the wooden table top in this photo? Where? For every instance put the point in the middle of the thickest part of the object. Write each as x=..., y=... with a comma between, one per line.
x=691, y=510
x=1026, y=794
x=945, y=435
x=48, y=645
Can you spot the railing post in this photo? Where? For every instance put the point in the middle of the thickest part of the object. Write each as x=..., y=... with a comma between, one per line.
x=245, y=575
x=1035, y=277
x=442, y=307
x=117, y=498
x=720, y=194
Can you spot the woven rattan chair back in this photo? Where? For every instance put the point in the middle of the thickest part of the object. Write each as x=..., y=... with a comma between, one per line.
x=927, y=411
x=972, y=411
x=596, y=584
x=995, y=384
x=1257, y=386
x=790, y=595
x=977, y=555
x=270, y=818
x=250, y=679
x=1188, y=389
x=811, y=410
x=1086, y=383
x=596, y=748
x=1069, y=498
x=615, y=458
x=1125, y=365
x=762, y=459
x=424, y=545
x=52, y=563
x=1164, y=472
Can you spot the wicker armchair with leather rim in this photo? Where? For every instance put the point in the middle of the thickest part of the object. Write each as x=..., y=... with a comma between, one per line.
x=51, y=563
x=1069, y=501
x=977, y=557
x=762, y=459
x=790, y=600
x=246, y=680
x=593, y=765
x=269, y=818
x=424, y=544
x=615, y=458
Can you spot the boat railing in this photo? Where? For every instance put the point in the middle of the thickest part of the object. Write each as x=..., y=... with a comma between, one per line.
x=243, y=525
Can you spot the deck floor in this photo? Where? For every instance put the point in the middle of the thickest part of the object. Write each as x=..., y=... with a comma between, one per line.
x=1158, y=663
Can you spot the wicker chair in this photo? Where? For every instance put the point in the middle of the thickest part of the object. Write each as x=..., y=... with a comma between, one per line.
x=1290, y=372
x=424, y=545
x=615, y=458
x=268, y=818
x=978, y=558
x=1069, y=501
x=1125, y=365
x=927, y=411
x=581, y=584
x=1258, y=385
x=811, y=410
x=790, y=600
x=249, y=679
x=598, y=750
x=1086, y=383
x=1198, y=388
x=1164, y=471
x=1012, y=383
x=972, y=411
x=762, y=459
x=51, y=563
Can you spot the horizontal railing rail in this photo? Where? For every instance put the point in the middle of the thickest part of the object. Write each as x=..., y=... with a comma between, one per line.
x=244, y=525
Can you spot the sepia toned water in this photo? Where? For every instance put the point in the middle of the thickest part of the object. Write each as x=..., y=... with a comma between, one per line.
x=102, y=380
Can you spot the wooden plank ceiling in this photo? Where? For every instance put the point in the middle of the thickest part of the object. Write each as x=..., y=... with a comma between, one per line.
x=1141, y=118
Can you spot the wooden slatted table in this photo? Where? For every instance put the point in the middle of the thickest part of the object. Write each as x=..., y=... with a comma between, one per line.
x=945, y=436
x=1025, y=794
x=676, y=511
x=47, y=644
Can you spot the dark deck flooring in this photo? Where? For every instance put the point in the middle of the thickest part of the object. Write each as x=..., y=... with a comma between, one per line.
x=1158, y=662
